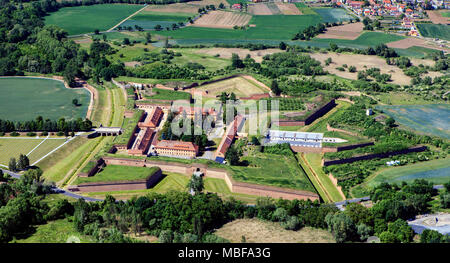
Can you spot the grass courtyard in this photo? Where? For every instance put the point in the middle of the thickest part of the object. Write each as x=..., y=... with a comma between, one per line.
x=24, y=99
x=118, y=173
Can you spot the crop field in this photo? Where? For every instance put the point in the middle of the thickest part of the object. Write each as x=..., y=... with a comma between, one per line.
x=90, y=18
x=288, y=9
x=24, y=99
x=262, y=27
x=269, y=169
x=304, y=9
x=240, y=86
x=332, y=15
x=149, y=20
x=348, y=31
x=364, y=40
x=185, y=8
x=438, y=16
x=436, y=171
x=434, y=31
x=431, y=119
x=258, y=231
x=222, y=19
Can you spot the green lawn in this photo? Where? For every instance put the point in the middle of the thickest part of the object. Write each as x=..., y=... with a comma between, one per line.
x=24, y=99
x=86, y=19
x=193, y=55
x=66, y=158
x=434, y=31
x=445, y=14
x=58, y=231
x=43, y=149
x=314, y=160
x=270, y=169
x=305, y=9
x=436, y=171
x=118, y=173
x=14, y=147
x=163, y=94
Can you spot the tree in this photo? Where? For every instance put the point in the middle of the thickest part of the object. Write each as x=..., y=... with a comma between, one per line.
x=148, y=37
x=196, y=184
x=12, y=164
x=75, y=102
x=341, y=226
x=126, y=41
x=275, y=88
x=363, y=231
x=232, y=156
x=282, y=46
x=236, y=62
x=390, y=122
x=96, y=31
x=23, y=162
x=104, y=37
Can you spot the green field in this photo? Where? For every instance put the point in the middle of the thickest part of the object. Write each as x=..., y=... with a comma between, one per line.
x=431, y=119
x=43, y=149
x=332, y=15
x=445, y=14
x=164, y=94
x=58, y=231
x=86, y=19
x=266, y=27
x=149, y=20
x=436, y=171
x=269, y=169
x=118, y=173
x=364, y=40
x=313, y=161
x=14, y=147
x=24, y=99
x=306, y=10
x=434, y=31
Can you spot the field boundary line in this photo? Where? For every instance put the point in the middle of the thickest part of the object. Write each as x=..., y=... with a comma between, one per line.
x=52, y=151
x=38, y=145
x=130, y=16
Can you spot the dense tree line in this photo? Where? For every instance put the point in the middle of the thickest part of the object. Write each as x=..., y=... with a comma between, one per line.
x=39, y=124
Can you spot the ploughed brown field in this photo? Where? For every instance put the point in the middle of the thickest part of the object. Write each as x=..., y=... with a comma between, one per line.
x=288, y=9
x=223, y=19
x=412, y=41
x=437, y=18
x=348, y=31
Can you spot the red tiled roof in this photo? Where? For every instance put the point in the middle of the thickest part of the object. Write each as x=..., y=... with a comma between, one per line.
x=177, y=145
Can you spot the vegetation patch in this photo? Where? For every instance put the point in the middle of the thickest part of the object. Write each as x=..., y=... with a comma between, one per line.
x=434, y=31
x=23, y=99
x=119, y=173
x=89, y=18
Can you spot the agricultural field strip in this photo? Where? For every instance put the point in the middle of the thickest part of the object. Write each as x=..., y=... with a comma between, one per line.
x=135, y=13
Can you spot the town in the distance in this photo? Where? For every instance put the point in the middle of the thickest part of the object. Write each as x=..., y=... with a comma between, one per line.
x=225, y=121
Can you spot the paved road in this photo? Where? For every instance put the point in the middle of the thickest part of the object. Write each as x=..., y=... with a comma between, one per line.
x=56, y=189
